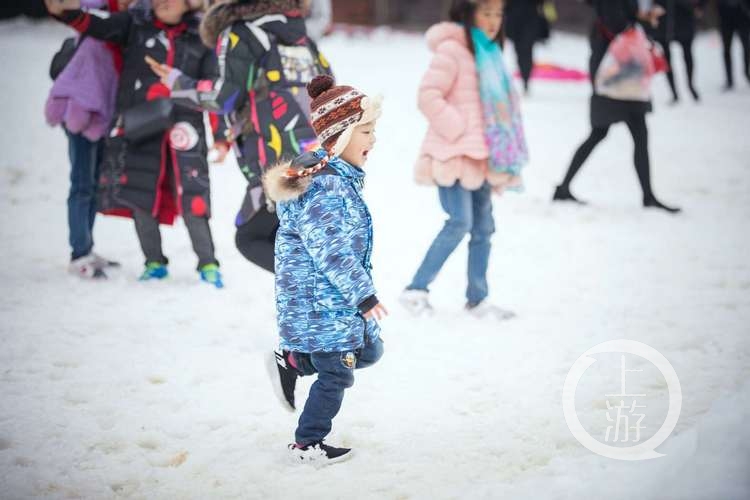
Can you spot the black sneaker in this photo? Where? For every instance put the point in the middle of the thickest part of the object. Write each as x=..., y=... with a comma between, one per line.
x=318, y=454
x=283, y=377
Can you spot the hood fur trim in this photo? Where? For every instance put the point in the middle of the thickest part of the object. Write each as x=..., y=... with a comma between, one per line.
x=223, y=14
x=280, y=187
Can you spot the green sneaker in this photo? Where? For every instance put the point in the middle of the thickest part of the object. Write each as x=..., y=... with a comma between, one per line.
x=154, y=271
x=210, y=274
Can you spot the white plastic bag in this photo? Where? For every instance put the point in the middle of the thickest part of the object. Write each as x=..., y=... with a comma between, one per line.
x=627, y=68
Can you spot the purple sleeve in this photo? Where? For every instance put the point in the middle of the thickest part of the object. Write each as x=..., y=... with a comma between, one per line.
x=94, y=4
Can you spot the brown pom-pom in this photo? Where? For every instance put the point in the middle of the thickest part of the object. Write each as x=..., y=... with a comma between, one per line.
x=319, y=84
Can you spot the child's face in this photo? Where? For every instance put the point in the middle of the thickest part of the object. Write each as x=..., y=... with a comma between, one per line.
x=170, y=11
x=360, y=145
x=489, y=17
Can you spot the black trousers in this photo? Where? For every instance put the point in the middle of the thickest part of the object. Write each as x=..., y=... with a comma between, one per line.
x=687, y=54
x=733, y=20
x=524, y=46
x=149, y=236
x=637, y=125
x=257, y=237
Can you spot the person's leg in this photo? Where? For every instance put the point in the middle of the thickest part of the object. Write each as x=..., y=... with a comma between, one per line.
x=369, y=354
x=687, y=53
x=97, y=170
x=200, y=237
x=84, y=157
x=525, y=55
x=335, y=375
x=744, y=33
x=670, y=74
x=456, y=202
x=726, y=27
x=256, y=239
x=147, y=228
x=480, y=244
x=582, y=153
x=637, y=125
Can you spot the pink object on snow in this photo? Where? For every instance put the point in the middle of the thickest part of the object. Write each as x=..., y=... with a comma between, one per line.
x=546, y=71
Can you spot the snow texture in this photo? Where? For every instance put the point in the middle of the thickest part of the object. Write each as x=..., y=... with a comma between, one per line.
x=157, y=391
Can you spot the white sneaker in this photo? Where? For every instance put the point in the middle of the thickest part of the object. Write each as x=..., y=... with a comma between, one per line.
x=485, y=309
x=319, y=454
x=416, y=302
x=86, y=267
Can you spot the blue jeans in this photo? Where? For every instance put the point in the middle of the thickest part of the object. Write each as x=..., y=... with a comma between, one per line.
x=335, y=374
x=84, y=176
x=468, y=212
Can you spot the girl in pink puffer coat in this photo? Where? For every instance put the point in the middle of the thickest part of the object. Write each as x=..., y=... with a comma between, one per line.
x=454, y=148
x=474, y=145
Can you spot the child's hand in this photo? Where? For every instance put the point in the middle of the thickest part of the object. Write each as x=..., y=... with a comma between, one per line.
x=656, y=12
x=161, y=70
x=57, y=7
x=219, y=152
x=378, y=312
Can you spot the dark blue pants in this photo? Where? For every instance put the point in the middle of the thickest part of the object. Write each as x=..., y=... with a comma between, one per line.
x=84, y=176
x=335, y=374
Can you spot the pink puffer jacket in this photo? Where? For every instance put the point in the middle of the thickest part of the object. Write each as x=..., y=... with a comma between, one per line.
x=454, y=147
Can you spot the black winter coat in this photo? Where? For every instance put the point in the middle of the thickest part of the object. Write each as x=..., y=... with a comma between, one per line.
x=266, y=61
x=679, y=21
x=524, y=21
x=167, y=173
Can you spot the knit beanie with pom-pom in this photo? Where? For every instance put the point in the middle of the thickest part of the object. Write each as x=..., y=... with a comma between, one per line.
x=336, y=109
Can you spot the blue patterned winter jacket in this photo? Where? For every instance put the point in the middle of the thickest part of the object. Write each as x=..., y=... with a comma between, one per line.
x=323, y=250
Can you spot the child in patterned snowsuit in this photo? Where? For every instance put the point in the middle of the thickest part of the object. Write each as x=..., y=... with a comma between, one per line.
x=325, y=296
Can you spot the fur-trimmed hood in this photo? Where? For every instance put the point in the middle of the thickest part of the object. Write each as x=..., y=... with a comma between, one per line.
x=281, y=187
x=222, y=15
x=442, y=32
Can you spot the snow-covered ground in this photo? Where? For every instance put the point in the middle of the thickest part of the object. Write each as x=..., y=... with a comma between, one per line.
x=127, y=390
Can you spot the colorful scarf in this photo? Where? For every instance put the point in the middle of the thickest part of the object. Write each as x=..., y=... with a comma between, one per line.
x=501, y=110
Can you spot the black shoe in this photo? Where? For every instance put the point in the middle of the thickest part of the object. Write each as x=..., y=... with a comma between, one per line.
x=104, y=262
x=283, y=377
x=695, y=94
x=727, y=87
x=318, y=454
x=652, y=202
x=562, y=193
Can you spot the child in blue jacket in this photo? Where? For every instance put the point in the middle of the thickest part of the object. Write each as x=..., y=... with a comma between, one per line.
x=325, y=298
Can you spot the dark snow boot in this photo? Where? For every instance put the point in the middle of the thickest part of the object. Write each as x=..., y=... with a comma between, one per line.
x=283, y=377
